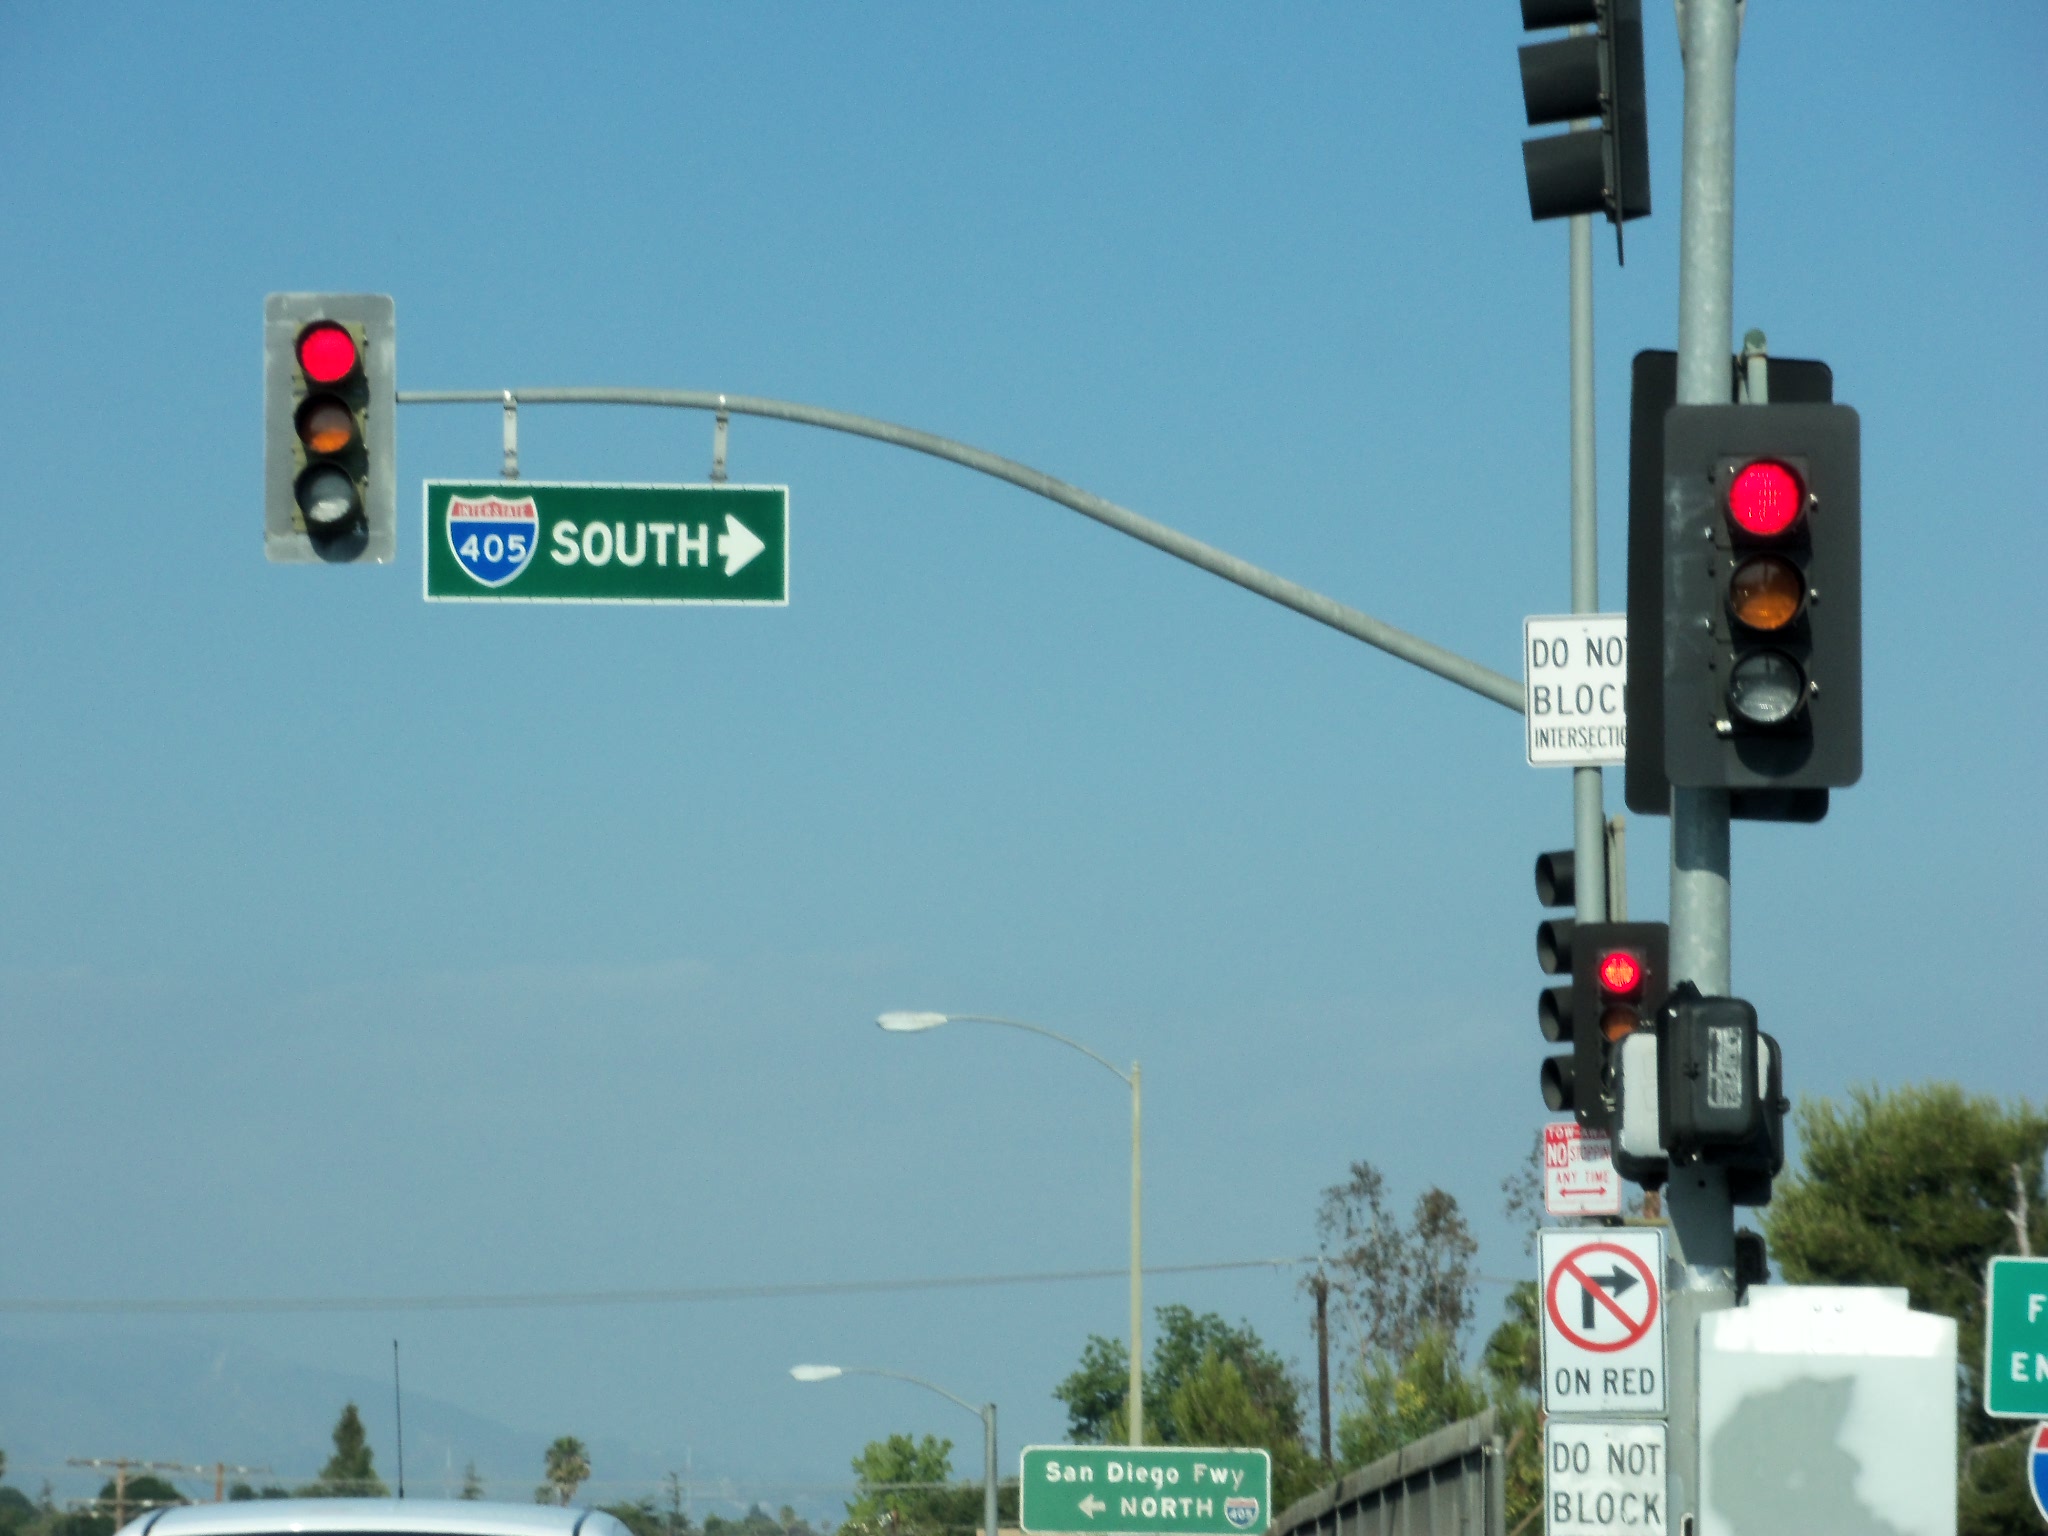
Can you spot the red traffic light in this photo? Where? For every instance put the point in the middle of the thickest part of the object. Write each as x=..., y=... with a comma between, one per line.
x=327, y=352
x=1620, y=971
x=1765, y=498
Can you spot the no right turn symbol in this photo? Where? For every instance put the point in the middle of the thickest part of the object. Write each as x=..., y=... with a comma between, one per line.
x=1603, y=1320
x=1616, y=1297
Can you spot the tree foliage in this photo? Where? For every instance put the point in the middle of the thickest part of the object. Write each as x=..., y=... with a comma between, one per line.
x=906, y=1489
x=1208, y=1383
x=1394, y=1283
x=1182, y=1339
x=567, y=1468
x=351, y=1472
x=1922, y=1187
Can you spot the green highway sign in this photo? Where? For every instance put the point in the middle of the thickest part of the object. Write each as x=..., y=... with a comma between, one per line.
x=538, y=541
x=1132, y=1489
x=2016, y=1339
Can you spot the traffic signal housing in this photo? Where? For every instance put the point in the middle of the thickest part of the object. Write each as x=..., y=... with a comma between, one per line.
x=1720, y=1091
x=1653, y=390
x=1598, y=75
x=330, y=414
x=1762, y=632
x=1620, y=976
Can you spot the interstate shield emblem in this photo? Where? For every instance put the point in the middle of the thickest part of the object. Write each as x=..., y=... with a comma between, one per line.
x=493, y=537
x=1241, y=1513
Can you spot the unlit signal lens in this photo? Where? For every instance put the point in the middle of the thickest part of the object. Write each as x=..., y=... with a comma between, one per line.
x=326, y=426
x=1766, y=688
x=1766, y=592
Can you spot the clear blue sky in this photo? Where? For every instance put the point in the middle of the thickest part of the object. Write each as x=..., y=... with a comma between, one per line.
x=353, y=946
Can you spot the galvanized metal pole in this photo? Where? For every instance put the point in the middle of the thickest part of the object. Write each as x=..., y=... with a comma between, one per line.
x=1701, y=1275
x=1347, y=620
x=988, y=1468
x=1589, y=810
x=1137, y=1386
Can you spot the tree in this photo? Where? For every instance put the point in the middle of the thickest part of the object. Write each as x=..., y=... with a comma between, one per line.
x=1404, y=1397
x=883, y=1502
x=568, y=1468
x=1392, y=1284
x=1213, y=1404
x=1096, y=1389
x=1921, y=1187
x=1513, y=1362
x=351, y=1472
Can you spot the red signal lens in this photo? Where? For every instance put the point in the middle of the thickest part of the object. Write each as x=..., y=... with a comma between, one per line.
x=327, y=353
x=1766, y=498
x=1620, y=971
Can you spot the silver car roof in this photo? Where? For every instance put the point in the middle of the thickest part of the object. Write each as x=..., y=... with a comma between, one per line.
x=374, y=1517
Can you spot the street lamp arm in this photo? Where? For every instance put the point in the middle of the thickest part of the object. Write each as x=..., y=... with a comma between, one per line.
x=1050, y=1034
x=1341, y=617
x=916, y=1381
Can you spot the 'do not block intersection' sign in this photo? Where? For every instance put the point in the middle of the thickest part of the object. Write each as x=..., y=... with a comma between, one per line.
x=535, y=541
x=1145, y=1489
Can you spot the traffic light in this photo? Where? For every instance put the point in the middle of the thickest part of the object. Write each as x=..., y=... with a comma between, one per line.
x=1597, y=75
x=330, y=463
x=1720, y=1091
x=1554, y=936
x=1762, y=633
x=1653, y=390
x=1619, y=976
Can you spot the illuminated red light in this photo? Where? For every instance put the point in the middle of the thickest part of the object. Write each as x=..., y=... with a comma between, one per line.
x=1620, y=971
x=327, y=353
x=1765, y=498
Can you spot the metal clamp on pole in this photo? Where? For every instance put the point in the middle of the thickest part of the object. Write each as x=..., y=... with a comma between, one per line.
x=511, y=437
x=721, y=424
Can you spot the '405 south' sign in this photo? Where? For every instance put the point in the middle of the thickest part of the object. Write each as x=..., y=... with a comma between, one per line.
x=536, y=541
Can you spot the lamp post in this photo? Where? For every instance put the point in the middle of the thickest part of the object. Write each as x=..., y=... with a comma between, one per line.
x=986, y=1412
x=903, y=1023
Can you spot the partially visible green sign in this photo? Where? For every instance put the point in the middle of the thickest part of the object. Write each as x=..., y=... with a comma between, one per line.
x=1132, y=1489
x=2016, y=1339
x=537, y=541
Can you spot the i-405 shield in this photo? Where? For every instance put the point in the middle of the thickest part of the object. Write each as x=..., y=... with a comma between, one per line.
x=493, y=537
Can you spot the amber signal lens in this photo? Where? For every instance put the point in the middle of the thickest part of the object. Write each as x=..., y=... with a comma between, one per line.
x=1617, y=1022
x=1766, y=592
x=326, y=426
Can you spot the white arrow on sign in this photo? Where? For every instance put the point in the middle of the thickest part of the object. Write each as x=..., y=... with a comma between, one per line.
x=1091, y=1506
x=737, y=545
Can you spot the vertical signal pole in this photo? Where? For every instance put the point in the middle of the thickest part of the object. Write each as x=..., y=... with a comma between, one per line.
x=1702, y=1275
x=1589, y=810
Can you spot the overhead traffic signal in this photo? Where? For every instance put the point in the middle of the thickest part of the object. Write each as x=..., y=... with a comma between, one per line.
x=1599, y=75
x=1762, y=632
x=330, y=427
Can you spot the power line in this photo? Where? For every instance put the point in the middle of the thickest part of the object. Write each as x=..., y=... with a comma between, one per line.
x=516, y=1301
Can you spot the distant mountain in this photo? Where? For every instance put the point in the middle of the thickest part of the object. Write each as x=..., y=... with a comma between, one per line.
x=186, y=1399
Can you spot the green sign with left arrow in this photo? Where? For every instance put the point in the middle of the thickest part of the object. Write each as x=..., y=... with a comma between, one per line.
x=538, y=541
x=1142, y=1490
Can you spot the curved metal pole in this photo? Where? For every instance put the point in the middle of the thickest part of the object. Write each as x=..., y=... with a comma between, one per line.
x=1050, y=1034
x=1347, y=620
x=986, y=1413
x=1134, y=1402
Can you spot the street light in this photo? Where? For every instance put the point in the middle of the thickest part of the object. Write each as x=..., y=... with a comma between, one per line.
x=910, y=1023
x=986, y=1412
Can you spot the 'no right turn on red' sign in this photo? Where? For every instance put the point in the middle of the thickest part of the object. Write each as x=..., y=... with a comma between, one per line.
x=1603, y=1320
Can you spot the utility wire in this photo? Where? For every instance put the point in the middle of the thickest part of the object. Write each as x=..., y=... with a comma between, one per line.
x=518, y=1301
